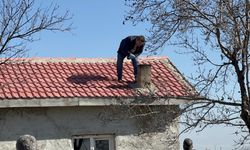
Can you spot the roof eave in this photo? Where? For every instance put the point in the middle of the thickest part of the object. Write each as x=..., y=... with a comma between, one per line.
x=66, y=102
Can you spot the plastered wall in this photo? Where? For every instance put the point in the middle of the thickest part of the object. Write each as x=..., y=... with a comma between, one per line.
x=54, y=127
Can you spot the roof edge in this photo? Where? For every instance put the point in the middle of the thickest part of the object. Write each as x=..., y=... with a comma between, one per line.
x=177, y=72
x=77, y=60
x=66, y=102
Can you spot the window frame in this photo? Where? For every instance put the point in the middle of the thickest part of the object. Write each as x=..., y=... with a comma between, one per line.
x=94, y=137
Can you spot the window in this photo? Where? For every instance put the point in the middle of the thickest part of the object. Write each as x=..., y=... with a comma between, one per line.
x=93, y=142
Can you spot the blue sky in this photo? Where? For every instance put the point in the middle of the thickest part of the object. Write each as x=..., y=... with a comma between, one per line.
x=97, y=32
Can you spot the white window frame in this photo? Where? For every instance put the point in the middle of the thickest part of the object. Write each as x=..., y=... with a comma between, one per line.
x=92, y=138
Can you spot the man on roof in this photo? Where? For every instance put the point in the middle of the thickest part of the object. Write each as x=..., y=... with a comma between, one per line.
x=130, y=47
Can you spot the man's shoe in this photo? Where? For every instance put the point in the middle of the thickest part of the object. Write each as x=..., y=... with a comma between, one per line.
x=135, y=82
x=136, y=79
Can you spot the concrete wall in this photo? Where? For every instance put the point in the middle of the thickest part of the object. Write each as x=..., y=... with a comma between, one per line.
x=54, y=127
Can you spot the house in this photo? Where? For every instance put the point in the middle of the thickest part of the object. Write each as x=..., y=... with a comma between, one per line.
x=78, y=104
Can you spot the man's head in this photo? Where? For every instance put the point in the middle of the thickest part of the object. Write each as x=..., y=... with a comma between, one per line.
x=140, y=41
x=187, y=144
x=26, y=142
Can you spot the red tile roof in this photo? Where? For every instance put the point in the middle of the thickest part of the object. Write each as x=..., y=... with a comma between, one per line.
x=89, y=78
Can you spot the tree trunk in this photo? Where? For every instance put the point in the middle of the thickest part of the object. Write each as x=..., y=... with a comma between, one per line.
x=245, y=115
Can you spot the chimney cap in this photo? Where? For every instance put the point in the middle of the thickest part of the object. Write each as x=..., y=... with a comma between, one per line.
x=144, y=65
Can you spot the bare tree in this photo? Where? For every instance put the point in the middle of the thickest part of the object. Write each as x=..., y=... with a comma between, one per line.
x=20, y=20
x=216, y=34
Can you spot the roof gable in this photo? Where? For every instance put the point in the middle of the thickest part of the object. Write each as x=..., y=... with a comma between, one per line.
x=87, y=78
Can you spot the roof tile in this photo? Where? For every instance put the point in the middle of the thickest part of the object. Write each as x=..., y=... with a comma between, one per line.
x=84, y=78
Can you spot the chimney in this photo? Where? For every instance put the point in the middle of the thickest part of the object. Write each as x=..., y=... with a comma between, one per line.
x=144, y=76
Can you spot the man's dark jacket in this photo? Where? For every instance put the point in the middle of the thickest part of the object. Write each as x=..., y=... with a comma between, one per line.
x=127, y=45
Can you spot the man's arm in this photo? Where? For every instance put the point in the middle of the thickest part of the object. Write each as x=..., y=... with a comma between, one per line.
x=138, y=51
x=125, y=47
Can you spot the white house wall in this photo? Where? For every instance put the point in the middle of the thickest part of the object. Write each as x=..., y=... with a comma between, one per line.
x=54, y=128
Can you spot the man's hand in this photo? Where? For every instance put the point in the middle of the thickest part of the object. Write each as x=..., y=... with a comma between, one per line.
x=131, y=56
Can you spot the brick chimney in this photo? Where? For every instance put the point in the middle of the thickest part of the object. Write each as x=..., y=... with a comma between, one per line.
x=144, y=76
